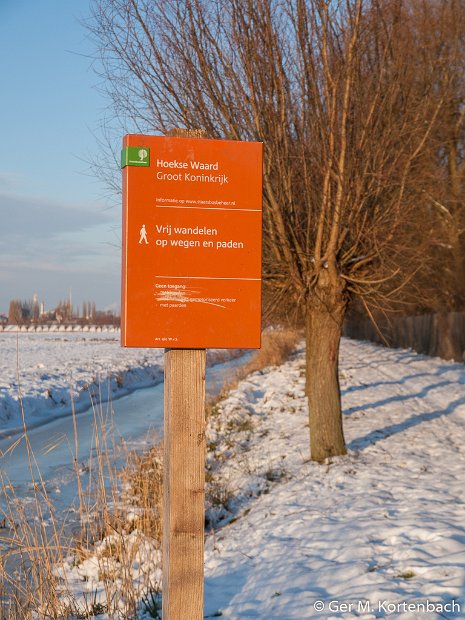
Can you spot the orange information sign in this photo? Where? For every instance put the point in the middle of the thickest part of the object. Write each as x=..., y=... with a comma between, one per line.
x=192, y=226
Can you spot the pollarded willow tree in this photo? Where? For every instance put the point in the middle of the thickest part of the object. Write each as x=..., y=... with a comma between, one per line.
x=345, y=109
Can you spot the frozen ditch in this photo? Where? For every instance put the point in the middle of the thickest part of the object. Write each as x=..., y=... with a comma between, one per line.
x=133, y=421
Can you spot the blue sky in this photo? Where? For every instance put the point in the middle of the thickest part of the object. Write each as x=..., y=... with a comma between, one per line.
x=59, y=230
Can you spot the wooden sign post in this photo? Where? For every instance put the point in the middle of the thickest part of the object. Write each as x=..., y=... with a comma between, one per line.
x=191, y=281
x=184, y=484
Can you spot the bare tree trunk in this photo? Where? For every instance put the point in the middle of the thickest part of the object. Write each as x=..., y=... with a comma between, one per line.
x=325, y=315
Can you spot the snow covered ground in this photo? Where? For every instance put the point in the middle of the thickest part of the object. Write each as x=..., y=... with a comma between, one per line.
x=379, y=533
x=48, y=370
x=363, y=536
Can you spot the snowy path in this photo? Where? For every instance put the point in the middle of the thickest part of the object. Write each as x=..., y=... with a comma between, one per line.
x=363, y=536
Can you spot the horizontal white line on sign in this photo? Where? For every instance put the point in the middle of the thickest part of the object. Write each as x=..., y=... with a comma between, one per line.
x=207, y=208
x=205, y=278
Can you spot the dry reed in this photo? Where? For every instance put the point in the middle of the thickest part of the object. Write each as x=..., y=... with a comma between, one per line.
x=116, y=536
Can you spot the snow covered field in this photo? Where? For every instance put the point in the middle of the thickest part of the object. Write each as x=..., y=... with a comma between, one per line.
x=51, y=369
x=54, y=367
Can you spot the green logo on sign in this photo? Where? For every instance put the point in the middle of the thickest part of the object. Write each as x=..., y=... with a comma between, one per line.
x=135, y=156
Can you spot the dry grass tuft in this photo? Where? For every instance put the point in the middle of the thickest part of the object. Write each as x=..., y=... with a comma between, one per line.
x=277, y=346
x=143, y=484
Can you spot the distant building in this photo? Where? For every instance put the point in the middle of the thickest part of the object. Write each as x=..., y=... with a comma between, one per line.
x=32, y=313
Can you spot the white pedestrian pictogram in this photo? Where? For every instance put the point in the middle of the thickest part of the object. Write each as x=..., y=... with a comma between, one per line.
x=143, y=235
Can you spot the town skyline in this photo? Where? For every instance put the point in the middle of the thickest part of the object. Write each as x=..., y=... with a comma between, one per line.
x=33, y=311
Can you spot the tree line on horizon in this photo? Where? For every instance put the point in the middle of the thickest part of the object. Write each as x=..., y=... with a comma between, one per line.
x=360, y=105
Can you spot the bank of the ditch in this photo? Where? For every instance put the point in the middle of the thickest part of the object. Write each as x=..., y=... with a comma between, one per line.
x=119, y=514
